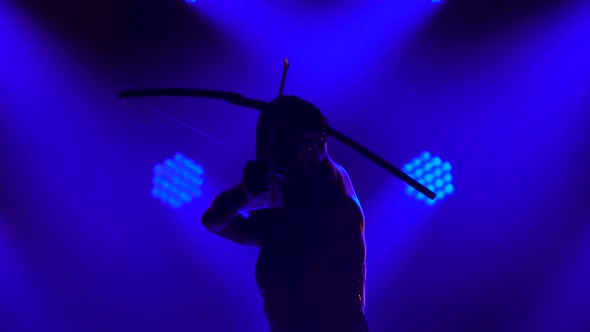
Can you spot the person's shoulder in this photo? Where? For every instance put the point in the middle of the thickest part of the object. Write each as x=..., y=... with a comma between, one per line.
x=346, y=183
x=348, y=206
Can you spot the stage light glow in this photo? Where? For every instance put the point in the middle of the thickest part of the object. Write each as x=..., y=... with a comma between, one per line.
x=446, y=166
x=177, y=181
x=407, y=168
x=438, y=172
x=449, y=189
x=432, y=172
x=448, y=177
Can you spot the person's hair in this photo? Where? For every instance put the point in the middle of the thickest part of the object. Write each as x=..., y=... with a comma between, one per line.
x=293, y=115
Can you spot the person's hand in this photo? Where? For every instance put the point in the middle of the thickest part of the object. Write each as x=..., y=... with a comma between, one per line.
x=255, y=178
x=277, y=175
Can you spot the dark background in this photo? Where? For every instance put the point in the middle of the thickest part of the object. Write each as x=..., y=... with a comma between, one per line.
x=501, y=89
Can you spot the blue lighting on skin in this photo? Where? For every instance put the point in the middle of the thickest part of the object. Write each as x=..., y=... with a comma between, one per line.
x=177, y=181
x=432, y=172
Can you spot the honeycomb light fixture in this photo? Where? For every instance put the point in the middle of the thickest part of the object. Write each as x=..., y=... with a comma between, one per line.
x=432, y=172
x=177, y=181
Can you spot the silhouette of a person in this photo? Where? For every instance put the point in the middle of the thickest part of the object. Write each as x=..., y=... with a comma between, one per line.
x=311, y=266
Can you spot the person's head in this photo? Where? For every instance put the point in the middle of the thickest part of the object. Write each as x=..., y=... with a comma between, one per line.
x=291, y=135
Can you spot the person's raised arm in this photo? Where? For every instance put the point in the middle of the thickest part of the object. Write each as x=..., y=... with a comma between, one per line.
x=225, y=208
x=224, y=217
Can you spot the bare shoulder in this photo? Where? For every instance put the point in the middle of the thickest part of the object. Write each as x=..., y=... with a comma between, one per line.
x=347, y=186
x=348, y=210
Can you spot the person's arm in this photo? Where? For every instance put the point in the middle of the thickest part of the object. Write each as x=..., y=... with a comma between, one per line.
x=224, y=209
x=224, y=217
x=348, y=223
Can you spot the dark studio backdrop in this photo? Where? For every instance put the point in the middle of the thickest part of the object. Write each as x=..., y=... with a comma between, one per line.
x=501, y=89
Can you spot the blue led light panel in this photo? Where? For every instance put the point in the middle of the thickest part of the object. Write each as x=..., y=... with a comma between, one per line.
x=432, y=172
x=177, y=181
